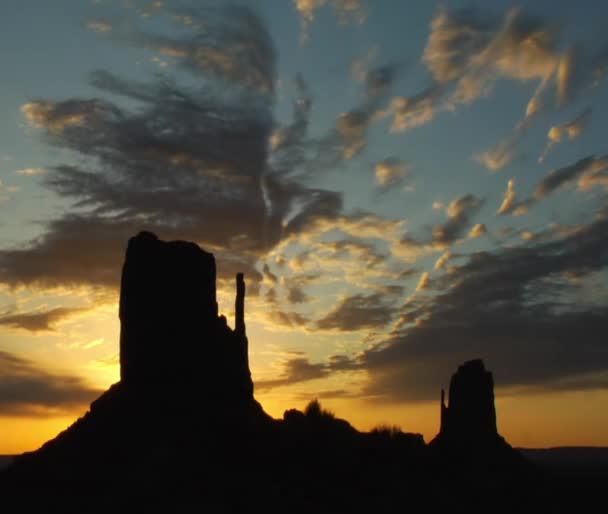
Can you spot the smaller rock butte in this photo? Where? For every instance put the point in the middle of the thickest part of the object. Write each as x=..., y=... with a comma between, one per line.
x=470, y=413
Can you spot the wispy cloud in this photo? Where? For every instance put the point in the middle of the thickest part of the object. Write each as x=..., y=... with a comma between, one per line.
x=99, y=26
x=39, y=321
x=28, y=390
x=358, y=312
x=346, y=11
x=509, y=199
x=569, y=130
x=460, y=212
x=510, y=308
x=30, y=172
x=390, y=172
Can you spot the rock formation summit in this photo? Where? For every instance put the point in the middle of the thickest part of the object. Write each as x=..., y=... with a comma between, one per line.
x=468, y=434
x=470, y=413
x=171, y=336
x=182, y=432
x=184, y=375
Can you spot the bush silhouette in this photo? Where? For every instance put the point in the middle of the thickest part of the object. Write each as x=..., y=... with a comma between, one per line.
x=314, y=410
x=388, y=431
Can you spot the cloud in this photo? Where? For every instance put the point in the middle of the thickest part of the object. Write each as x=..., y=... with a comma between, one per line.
x=474, y=49
x=365, y=253
x=57, y=117
x=38, y=321
x=469, y=50
x=102, y=26
x=411, y=111
x=425, y=280
x=587, y=167
x=378, y=80
x=295, y=285
x=27, y=390
x=443, y=260
x=515, y=309
x=230, y=43
x=570, y=130
x=30, y=172
x=497, y=158
x=5, y=193
x=352, y=128
x=478, y=230
x=272, y=278
x=346, y=11
x=300, y=369
x=390, y=172
x=596, y=177
x=589, y=171
x=289, y=140
x=74, y=251
x=348, y=138
x=176, y=159
x=295, y=153
x=358, y=312
x=290, y=319
x=526, y=235
x=295, y=370
x=509, y=199
x=459, y=213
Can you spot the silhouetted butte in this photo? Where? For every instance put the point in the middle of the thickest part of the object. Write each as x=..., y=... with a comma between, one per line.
x=182, y=431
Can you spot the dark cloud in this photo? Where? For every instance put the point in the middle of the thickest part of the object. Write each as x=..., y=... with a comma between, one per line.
x=26, y=390
x=390, y=173
x=288, y=143
x=288, y=318
x=472, y=48
x=269, y=274
x=366, y=253
x=300, y=369
x=510, y=308
x=348, y=138
x=587, y=172
x=38, y=321
x=358, y=312
x=295, y=370
x=567, y=174
x=407, y=273
x=295, y=287
x=459, y=213
x=569, y=130
x=414, y=110
x=229, y=42
x=379, y=79
x=325, y=394
x=186, y=162
x=75, y=250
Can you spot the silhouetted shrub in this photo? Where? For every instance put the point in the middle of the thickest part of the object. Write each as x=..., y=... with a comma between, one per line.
x=314, y=410
x=390, y=431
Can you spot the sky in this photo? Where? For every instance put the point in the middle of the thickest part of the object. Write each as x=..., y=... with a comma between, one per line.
x=406, y=186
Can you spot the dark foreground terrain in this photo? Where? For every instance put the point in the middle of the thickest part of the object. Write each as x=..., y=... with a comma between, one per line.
x=182, y=431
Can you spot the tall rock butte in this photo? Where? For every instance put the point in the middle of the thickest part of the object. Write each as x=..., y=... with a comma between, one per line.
x=182, y=432
x=184, y=378
x=171, y=335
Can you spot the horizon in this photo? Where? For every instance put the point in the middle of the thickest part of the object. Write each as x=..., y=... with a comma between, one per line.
x=404, y=187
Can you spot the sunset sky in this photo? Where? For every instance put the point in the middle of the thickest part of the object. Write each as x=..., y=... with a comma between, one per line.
x=406, y=186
